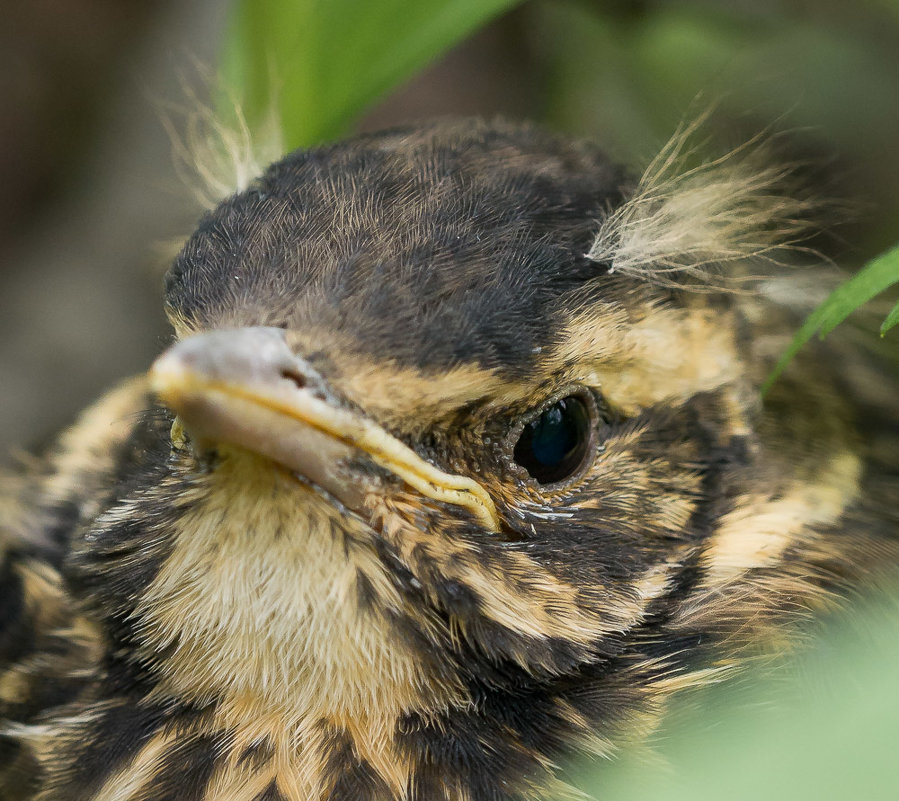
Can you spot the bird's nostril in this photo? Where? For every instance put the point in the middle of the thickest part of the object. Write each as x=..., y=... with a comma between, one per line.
x=296, y=377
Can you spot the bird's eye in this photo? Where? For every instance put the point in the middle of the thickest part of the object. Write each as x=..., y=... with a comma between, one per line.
x=555, y=445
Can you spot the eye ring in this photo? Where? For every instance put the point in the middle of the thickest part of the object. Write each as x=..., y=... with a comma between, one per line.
x=556, y=442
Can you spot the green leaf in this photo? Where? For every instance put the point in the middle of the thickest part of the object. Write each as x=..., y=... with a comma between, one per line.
x=319, y=63
x=822, y=725
x=891, y=320
x=874, y=278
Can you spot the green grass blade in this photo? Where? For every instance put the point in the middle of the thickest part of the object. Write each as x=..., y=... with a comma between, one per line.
x=874, y=278
x=321, y=62
x=891, y=320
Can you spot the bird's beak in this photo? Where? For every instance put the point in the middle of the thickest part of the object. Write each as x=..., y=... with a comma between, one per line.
x=245, y=387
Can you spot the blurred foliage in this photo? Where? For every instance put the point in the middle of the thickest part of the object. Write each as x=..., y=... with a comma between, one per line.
x=626, y=73
x=821, y=726
x=317, y=64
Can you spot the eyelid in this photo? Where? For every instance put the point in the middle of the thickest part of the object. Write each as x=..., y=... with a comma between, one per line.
x=592, y=397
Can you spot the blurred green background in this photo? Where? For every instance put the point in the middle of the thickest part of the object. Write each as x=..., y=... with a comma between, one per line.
x=821, y=725
x=95, y=200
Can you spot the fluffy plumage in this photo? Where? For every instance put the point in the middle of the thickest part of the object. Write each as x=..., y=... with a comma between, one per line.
x=685, y=225
x=199, y=608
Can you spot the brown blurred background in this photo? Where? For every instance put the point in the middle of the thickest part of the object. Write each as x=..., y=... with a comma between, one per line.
x=92, y=204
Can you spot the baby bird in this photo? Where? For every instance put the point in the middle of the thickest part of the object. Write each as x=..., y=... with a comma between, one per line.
x=457, y=464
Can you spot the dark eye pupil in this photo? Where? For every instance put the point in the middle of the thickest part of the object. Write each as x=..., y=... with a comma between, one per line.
x=553, y=447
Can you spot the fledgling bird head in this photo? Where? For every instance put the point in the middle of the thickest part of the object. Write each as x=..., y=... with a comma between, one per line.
x=444, y=458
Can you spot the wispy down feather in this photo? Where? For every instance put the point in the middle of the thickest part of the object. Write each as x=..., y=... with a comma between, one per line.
x=682, y=224
x=217, y=154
